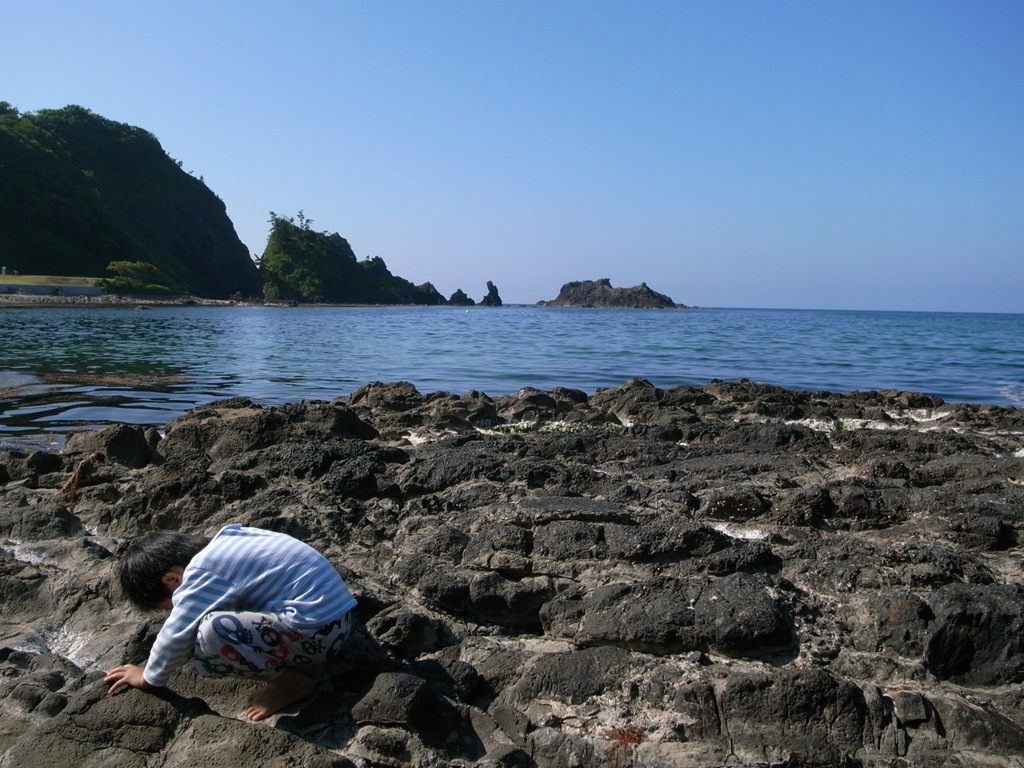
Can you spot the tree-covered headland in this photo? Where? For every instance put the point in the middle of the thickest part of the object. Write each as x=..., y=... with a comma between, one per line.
x=79, y=192
x=301, y=264
x=84, y=196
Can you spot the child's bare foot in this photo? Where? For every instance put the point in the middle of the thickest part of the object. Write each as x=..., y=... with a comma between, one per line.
x=285, y=689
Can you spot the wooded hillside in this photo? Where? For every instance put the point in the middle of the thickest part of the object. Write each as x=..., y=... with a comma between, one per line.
x=79, y=191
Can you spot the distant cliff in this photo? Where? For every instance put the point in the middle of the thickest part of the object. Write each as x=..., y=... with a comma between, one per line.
x=78, y=191
x=600, y=293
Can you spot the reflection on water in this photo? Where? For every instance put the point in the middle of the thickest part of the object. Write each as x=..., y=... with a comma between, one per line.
x=67, y=368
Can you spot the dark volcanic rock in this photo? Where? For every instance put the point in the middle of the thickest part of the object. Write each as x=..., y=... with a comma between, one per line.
x=823, y=718
x=429, y=295
x=492, y=299
x=727, y=575
x=600, y=293
x=460, y=299
x=977, y=637
x=122, y=444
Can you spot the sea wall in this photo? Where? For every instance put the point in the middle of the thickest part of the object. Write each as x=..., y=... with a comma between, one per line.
x=730, y=575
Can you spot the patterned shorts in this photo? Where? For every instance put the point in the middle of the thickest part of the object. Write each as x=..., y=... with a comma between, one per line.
x=249, y=644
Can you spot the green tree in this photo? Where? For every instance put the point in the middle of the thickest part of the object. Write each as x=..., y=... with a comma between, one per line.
x=136, y=278
x=300, y=264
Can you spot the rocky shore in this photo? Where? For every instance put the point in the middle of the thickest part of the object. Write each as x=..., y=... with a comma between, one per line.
x=732, y=575
x=19, y=299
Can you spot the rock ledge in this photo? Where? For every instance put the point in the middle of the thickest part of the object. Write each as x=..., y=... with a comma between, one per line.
x=642, y=576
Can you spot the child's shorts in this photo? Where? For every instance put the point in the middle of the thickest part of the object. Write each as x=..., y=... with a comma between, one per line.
x=249, y=644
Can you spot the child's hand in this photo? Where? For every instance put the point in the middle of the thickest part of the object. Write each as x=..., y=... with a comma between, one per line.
x=126, y=676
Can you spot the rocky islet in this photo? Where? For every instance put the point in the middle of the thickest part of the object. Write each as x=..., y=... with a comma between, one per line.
x=601, y=293
x=734, y=574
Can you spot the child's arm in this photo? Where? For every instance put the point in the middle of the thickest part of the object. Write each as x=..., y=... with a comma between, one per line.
x=203, y=592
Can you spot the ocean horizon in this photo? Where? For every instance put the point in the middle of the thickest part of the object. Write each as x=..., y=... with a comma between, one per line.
x=63, y=369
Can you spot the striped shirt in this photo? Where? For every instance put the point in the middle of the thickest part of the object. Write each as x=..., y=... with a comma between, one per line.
x=248, y=569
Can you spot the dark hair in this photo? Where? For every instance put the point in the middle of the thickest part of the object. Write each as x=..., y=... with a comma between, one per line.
x=145, y=562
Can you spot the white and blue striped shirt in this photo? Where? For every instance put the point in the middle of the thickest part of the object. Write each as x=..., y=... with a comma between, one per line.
x=248, y=569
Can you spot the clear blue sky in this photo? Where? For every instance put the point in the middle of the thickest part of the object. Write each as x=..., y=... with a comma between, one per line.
x=809, y=154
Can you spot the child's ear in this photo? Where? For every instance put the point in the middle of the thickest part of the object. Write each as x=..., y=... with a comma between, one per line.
x=172, y=579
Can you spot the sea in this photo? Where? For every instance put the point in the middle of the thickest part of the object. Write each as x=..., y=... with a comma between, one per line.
x=64, y=369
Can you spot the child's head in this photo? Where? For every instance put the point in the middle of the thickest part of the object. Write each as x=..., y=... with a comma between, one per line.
x=147, y=560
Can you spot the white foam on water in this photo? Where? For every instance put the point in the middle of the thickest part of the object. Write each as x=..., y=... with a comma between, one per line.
x=1012, y=392
x=817, y=425
x=33, y=644
x=60, y=641
x=521, y=427
x=913, y=417
x=25, y=552
x=920, y=415
x=421, y=438
x=736, y=532
x=839, y=425
x=71, y=646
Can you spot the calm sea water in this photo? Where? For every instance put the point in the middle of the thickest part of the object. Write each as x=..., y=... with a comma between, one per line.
x=147, y=367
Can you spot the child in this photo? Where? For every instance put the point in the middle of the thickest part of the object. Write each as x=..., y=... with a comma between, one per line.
x=248, y=602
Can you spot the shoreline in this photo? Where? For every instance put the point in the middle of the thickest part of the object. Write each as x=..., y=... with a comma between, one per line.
x=879, y=410
x=29, y=300
x=19, y=300
x=548, y=568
